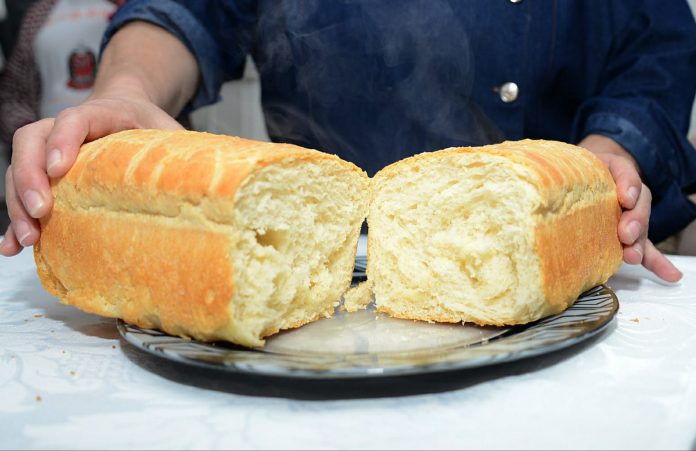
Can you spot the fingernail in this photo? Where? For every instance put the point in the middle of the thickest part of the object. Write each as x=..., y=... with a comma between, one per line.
x=639, y=251
x=633, y=229
x=34, y=202
x=54, y=159
x=632, y=194
x=22, y=230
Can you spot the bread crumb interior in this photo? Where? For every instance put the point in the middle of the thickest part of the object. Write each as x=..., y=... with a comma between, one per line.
x=452, y=239
x=294, y=257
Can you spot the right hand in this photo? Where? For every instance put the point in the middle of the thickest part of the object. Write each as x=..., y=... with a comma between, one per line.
x=49, y=147
x=636, y=201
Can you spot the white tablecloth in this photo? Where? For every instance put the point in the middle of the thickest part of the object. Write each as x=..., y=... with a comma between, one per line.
x=68, y=381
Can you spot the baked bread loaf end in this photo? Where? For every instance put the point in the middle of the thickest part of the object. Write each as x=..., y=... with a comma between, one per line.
x=203, y=236
x=497, y=235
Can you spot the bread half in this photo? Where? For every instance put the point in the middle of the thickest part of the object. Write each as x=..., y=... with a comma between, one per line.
x=496, y=235
x=203, y=236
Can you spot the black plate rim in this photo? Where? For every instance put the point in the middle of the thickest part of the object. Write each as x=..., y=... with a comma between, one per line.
x=391, y=371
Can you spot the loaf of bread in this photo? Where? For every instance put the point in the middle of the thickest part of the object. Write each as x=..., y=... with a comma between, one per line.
x=203, y=236
x=496, y=235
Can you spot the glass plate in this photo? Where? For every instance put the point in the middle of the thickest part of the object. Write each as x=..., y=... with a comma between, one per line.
x=368, y=345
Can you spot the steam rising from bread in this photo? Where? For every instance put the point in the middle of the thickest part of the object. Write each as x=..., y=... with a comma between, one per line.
x=414, y=62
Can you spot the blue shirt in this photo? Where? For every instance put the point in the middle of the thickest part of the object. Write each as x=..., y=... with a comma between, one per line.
x=375, y=81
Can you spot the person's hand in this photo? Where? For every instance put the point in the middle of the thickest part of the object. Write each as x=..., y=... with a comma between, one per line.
x=49, y=147
x=635, y=200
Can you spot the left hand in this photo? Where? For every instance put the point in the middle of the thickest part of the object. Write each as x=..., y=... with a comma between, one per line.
x=635, y=200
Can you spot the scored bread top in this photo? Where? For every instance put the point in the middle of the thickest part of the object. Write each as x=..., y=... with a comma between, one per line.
x=126, y=170
x=559, y=168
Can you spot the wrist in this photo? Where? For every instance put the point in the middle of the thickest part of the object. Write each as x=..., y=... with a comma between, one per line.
x=121, y=86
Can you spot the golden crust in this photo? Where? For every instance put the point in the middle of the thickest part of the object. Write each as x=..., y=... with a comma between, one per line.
x=114, y=244
x=130, y=167
x=578, y=251
x=125, y=267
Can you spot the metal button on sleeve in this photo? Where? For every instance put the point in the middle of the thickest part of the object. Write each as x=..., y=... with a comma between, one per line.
x=515, y=1
x=508, y=92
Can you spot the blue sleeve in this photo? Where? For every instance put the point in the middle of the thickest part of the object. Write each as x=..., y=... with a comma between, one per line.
x=645, y=104
x=218, y=34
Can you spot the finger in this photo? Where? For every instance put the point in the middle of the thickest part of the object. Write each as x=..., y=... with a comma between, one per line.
x=656, y=262
x=28, y=169
x=633, y=225
x=9, y=245
x=24, y=227
x=627, y=179
x=71, y=129
x=75, y=126
x=95, y=119
x=633, y=254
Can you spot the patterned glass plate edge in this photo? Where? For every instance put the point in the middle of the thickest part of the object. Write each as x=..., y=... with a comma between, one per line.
x=589, y=315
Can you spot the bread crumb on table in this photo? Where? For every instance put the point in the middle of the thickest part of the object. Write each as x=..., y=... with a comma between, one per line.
x=635, y=320
x=38, y=398
x=357, y=297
